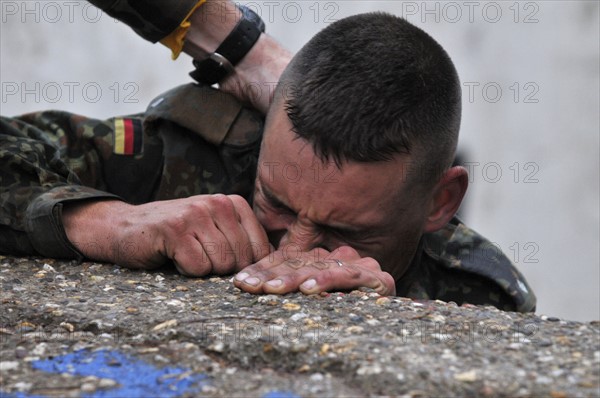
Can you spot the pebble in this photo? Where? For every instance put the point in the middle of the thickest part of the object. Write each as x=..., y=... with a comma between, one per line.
x=297, y=316
x=369, y=370
x=88, y=387
x=543, y=380
x=354, y=329
x=514, y=346
x=147, y=350
x=356, y=318
x=9, y=365
x=291, y=306
x=304, y=368
x=49, y=268
x=217, y=347
x=21, y=352
x=167, y=324
x=437, y=318
x=39, y=350
x=468, y=377
x=67, y=326
x=382, y=301
x=269, y=299
x=23, y=386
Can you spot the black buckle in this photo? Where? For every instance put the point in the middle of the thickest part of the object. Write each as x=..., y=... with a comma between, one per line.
x=238, y=43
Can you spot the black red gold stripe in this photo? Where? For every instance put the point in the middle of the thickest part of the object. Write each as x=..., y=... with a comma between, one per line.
x=128, y=136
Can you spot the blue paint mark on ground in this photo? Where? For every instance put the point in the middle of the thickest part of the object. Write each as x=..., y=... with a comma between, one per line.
x=18, y=395
x=137, y=378
x=280, y=394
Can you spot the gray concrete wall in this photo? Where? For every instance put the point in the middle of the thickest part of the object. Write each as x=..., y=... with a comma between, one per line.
x=530, y=73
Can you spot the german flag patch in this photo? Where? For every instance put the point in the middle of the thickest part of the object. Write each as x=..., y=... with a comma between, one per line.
x=128, y=136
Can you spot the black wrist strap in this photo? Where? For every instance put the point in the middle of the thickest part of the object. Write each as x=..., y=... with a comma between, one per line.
x=238, y=43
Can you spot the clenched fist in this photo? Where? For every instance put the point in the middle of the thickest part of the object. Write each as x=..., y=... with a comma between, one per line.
x=201, y=234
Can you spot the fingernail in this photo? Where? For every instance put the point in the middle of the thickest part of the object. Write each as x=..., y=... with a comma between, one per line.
x=252, y=281
x=309, y=284
x=241, y=276
x=275, y=282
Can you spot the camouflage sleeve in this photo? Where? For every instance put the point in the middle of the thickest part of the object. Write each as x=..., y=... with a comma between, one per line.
x=151, y=19
x=192, y=140
x=34, y=184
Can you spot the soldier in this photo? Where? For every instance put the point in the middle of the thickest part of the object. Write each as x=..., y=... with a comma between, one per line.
x=347, y=183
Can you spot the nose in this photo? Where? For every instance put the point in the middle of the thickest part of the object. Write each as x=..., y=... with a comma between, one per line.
x=302, y=234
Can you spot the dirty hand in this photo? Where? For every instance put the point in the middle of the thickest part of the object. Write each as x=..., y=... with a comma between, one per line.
x=201, y=234
x=313, y=272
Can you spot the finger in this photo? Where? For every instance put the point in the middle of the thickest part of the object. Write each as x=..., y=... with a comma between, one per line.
x=227, y=221
x=259, y=245
x=250, y=279
x=350, y=276
x=288, y=279
x=284, y=275
x=189, y=257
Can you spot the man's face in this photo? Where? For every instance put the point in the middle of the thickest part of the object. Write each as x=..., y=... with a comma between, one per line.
x=302, y=201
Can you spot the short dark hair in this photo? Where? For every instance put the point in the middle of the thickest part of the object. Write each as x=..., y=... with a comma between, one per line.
x=370, y=86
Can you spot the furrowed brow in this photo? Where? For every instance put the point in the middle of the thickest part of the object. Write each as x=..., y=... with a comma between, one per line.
x=356, y=233
x=271, y=196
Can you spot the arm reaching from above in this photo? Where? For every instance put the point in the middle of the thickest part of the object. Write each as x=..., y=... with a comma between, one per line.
x=198, y=28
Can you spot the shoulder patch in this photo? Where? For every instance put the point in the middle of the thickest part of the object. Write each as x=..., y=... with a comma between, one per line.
x=128, y=136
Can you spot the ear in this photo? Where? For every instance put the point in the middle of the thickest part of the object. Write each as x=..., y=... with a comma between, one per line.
x=447, y=196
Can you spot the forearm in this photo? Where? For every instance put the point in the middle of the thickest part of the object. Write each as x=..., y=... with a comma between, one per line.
x=102, y=231
x=257, y=73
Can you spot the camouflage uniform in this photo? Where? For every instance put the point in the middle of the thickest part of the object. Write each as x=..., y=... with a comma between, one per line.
x=195, y=140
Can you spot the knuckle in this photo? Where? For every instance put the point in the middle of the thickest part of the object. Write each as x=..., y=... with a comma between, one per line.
x=347, y=251
x=192, y=270
x=177, y=223
x=221, y=203
x=352, y=272
x=318, y=254
x=238, y=201
x=196, y=208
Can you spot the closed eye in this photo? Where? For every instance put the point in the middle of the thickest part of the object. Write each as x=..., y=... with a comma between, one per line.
x=276, y=203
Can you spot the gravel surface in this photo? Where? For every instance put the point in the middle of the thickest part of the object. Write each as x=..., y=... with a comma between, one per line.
x=204, y=337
